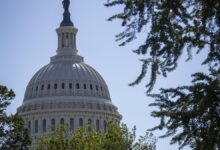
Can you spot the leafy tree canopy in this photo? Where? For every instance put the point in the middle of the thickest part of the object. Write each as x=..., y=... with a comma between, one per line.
x=13, y=134
x=175, y=27
x=116, y=138
x=191, y=113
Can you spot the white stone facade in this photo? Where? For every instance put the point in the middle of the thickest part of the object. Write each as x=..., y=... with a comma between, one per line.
x=67, y=91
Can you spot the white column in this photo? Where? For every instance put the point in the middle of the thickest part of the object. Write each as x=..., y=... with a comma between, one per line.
x=74, y=41
x=47, y=124
x=76, y=122
x=32, y=126
x=69, y=40
x=101, y=123
x=40, y=125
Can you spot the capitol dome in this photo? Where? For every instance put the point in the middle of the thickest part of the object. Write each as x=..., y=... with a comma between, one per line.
x=67, y=91
x=67, y=78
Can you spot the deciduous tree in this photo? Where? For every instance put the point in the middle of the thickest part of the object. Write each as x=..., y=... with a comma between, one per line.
x=172, y=29
x=190, y=114
x=116, y=138
x=13, y=134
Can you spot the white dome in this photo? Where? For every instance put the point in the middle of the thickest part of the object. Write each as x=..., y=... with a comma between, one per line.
x=67, y=91
x=66, y=78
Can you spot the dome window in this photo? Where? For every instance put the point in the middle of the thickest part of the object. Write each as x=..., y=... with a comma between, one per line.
x=105, y=126
x=84, y=86
x=36, y=126
x=71, y=123
x=44, y=125
x=91, y=87
x=48, y=86
x=97, y=125
x=77, y=86
x=97, y=88
x=62, y=121
x=81, y=122
x=53, y=125
x=29, y=125
x=70, y=85
x=37, y=88
x=63, y=86
x=42, y=87
x=89, y=124
x=55, y=86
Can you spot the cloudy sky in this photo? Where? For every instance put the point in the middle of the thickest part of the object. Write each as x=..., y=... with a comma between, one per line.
x=28, y=40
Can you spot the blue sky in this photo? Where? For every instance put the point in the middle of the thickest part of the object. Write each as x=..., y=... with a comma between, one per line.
x=28, y=40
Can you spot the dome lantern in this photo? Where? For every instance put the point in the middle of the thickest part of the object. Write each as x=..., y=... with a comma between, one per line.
x=67, y=37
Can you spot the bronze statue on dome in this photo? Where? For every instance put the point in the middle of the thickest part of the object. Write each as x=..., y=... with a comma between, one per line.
x=66, y=15
x=66, y=4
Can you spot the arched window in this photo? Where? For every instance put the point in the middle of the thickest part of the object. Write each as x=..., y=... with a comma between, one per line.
x=97, y=125
x=48, y=86
x=36, y=126
x=63, y=86
x=53, y=125
x=37, y=88
x=89, y=124
x=55, y=86
x=97, y=88
x=105, y=126
x=71, y=124
x=44, y=125
x=70, y=85
x=62, y=121
x=91, y=87
x=29, y=125
x=77, y=86
x=84, y=86
x=81, y=122
x=42, y=87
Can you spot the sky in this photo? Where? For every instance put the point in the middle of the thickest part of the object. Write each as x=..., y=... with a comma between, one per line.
x=28, y=40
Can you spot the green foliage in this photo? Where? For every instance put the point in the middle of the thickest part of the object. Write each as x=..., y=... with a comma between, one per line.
x=191, y=113
x=6, y=96
x=116, y=138
x=172, y=29
x=146, y=142
x=13, y=135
